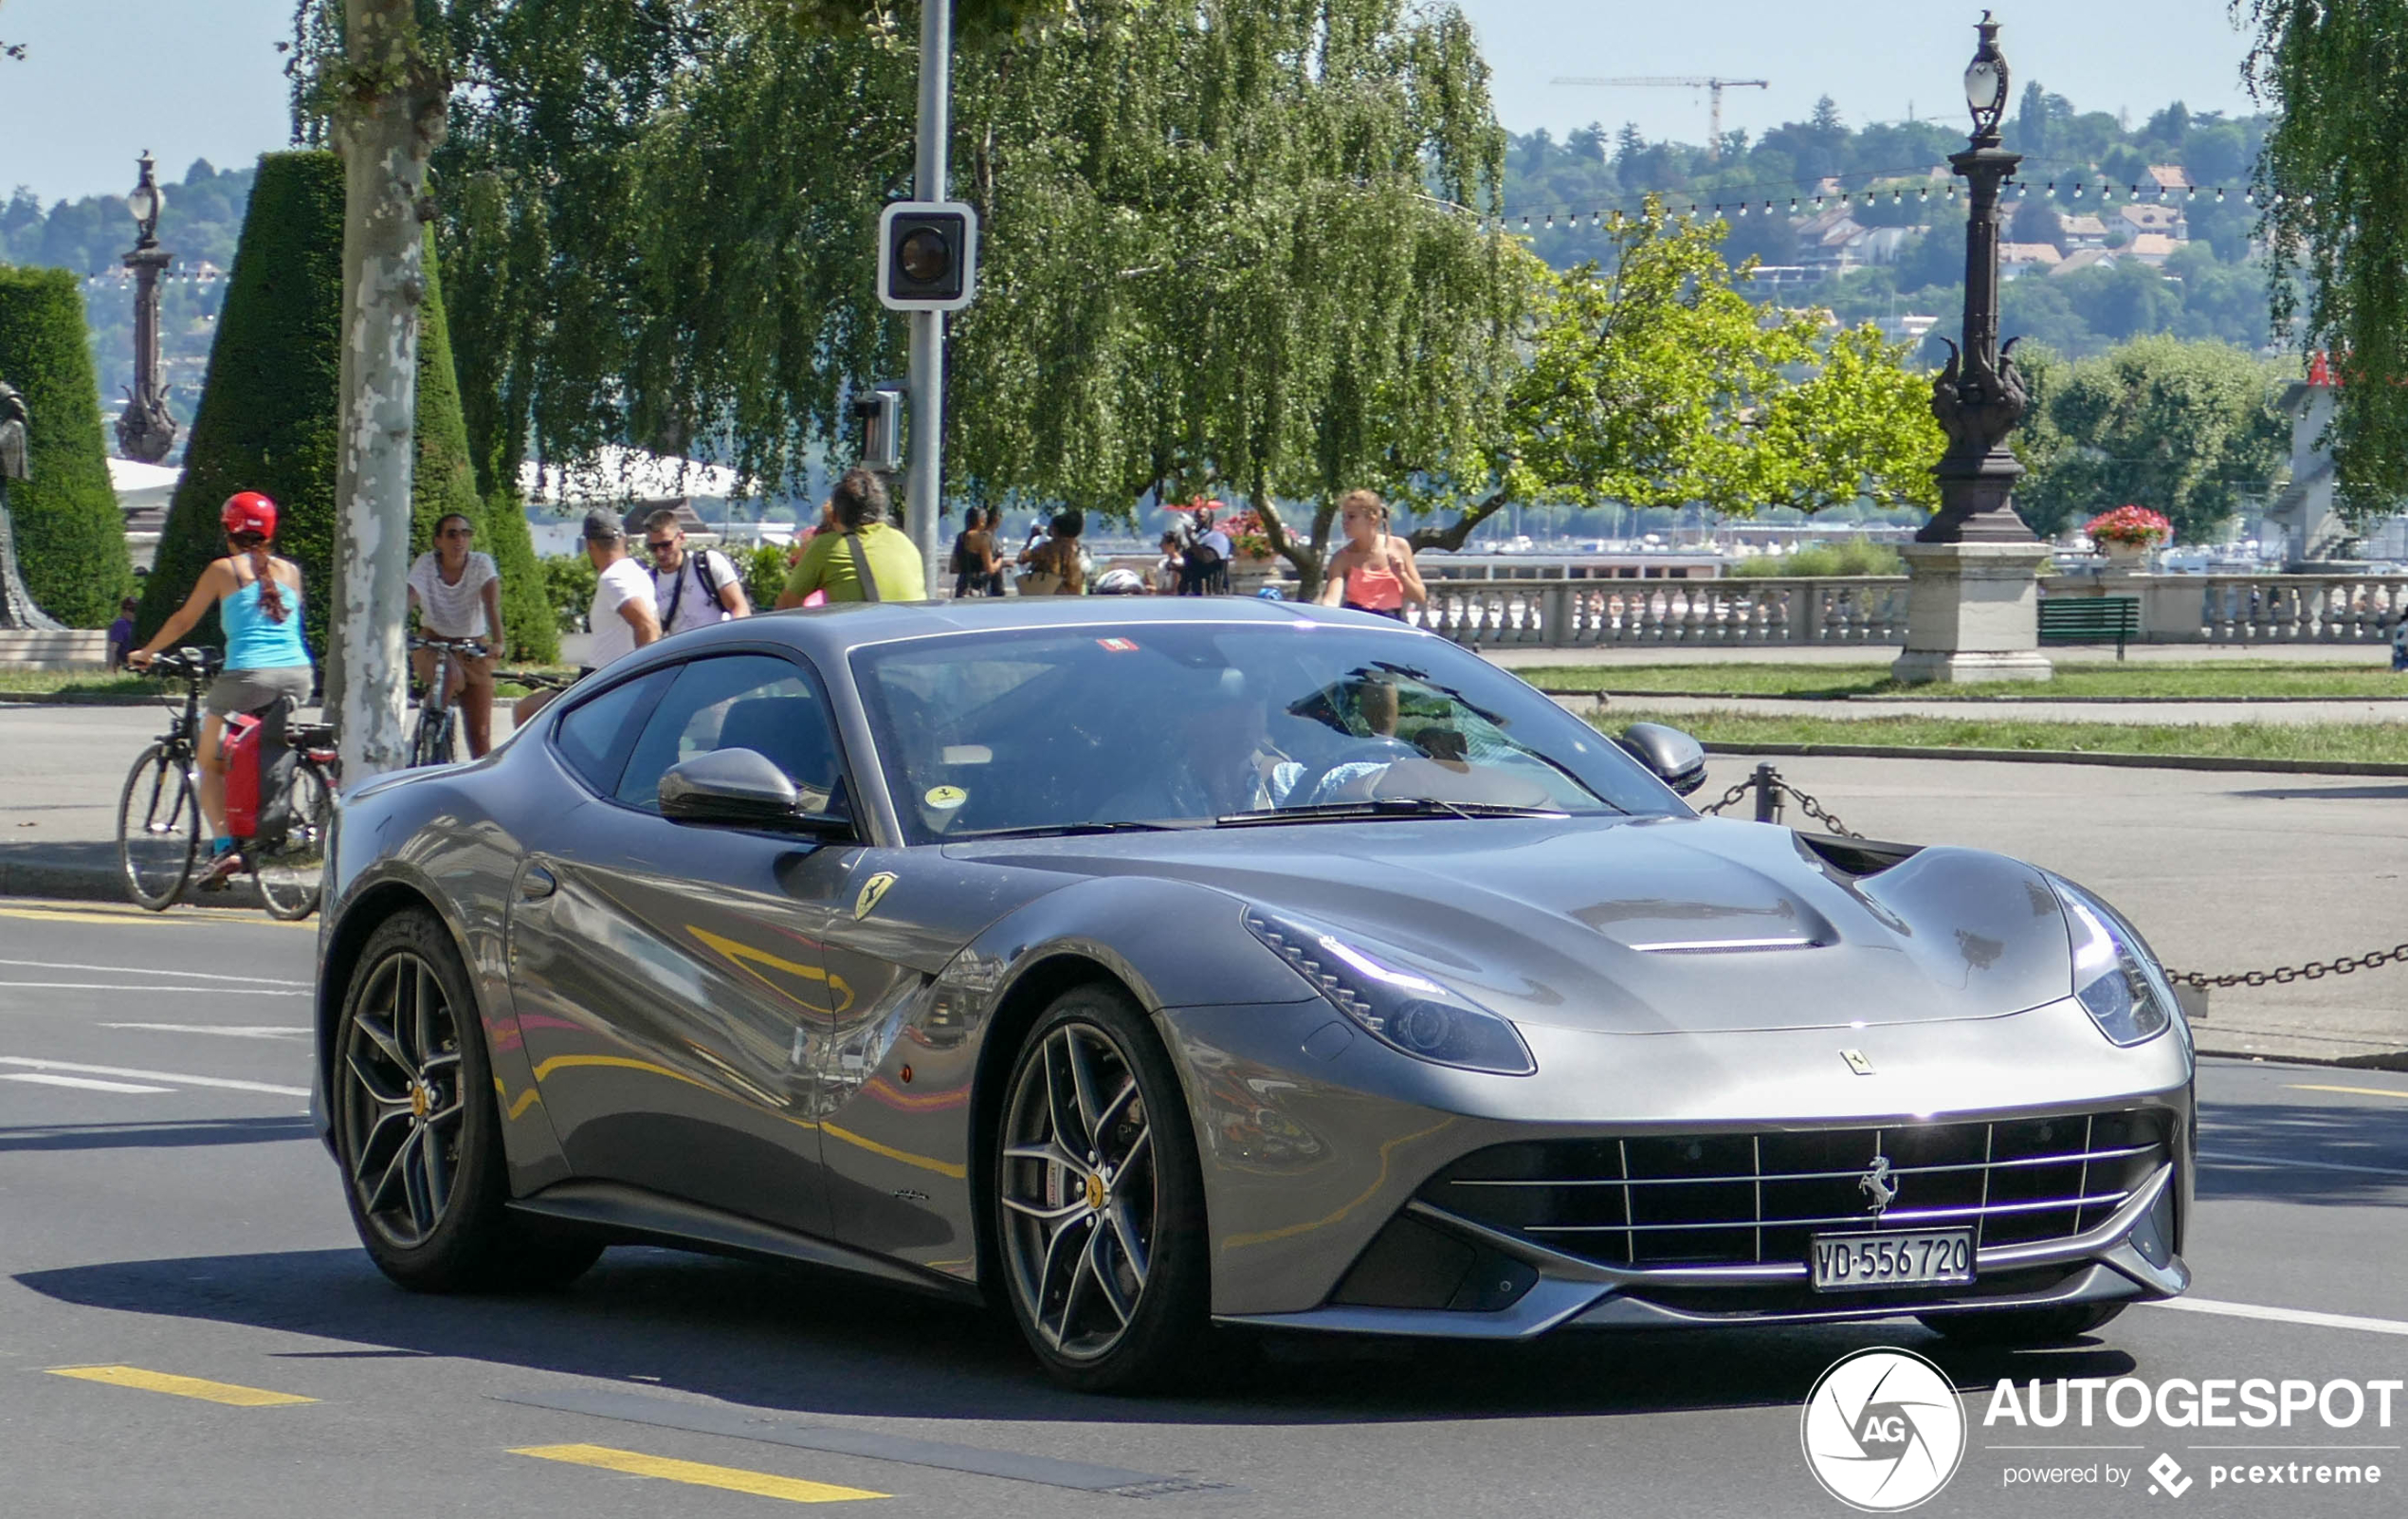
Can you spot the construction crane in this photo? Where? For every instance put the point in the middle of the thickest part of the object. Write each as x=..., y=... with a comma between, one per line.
x=1714, y=87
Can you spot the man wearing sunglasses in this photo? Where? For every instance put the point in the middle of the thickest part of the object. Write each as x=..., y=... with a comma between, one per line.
x=689, y=590
x=457, y=595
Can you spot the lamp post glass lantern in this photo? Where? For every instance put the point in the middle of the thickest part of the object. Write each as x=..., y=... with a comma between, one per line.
x=145, y=431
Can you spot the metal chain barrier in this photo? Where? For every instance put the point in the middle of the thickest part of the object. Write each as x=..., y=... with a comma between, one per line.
x=1768, y=787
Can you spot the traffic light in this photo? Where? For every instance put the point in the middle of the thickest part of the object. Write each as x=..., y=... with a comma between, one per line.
x=927, y=255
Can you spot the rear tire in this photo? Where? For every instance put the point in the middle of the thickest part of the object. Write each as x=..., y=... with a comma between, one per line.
x=433, y=743
x=416, y=1129
x=158, y=829
x=1098, y=1200
x=292, y=877
x=2019, y=1327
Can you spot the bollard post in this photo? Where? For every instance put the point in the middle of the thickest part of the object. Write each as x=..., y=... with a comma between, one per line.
x=1767, y=782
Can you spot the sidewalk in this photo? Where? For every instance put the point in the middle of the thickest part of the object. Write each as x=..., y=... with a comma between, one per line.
x=2153, y=714
x=2224, y=872
x=1513, y=657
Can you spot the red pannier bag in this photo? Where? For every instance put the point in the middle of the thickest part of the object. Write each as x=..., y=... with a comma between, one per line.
x=239, y=747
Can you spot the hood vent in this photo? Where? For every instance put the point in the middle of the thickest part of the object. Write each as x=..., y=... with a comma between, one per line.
x=1728, y=946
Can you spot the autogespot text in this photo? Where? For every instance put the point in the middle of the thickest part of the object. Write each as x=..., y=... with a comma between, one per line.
x=2178, y=1403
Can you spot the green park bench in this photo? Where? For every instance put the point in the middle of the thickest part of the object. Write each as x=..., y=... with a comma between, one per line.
x=2091, y=620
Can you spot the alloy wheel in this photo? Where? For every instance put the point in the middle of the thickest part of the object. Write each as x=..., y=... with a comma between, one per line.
x=401, y=1101
x=1078, y=1190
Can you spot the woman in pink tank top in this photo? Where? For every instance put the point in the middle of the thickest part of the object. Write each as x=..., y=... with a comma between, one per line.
x=1375, y=571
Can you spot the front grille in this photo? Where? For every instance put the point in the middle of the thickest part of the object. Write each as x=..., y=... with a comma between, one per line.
x=1739, y=1199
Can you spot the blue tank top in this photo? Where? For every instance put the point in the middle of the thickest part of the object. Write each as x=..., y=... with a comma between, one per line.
x=254, y=641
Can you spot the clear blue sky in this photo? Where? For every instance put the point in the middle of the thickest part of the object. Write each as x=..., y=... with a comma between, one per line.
x=191, y=79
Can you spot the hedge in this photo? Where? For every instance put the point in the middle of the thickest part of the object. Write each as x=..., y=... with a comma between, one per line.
x=71, y=534
x=267, y=413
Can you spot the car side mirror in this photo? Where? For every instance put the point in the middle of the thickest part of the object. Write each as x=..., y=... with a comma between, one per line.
x=743, y=789
x=1671, y=756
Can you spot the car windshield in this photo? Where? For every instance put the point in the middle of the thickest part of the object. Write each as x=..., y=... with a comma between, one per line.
x=1182, y=725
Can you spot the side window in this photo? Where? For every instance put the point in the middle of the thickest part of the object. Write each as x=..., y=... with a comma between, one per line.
x=736, y=702
x=594, y=737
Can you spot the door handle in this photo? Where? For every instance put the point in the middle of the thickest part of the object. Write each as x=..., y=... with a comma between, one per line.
x=537, y=883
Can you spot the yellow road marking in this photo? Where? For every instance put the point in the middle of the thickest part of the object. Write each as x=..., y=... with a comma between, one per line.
x=161, y=1381
x=695, y=1473
x=213, y=917
x=2354, y=1092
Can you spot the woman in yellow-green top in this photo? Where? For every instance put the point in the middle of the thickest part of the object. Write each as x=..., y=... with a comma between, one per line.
x=833, y=561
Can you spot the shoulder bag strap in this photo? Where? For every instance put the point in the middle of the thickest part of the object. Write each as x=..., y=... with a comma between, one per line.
x=861, y=568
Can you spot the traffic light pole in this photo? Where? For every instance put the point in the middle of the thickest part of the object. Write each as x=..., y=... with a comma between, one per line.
x=928, y=327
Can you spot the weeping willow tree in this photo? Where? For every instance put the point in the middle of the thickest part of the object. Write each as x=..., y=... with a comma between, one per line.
x=2335, y=186
x=1225, y=245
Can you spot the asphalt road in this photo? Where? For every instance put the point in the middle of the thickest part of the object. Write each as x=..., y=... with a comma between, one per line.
x=164, y=1211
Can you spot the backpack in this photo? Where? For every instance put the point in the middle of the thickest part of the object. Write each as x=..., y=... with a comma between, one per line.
x=700, y=559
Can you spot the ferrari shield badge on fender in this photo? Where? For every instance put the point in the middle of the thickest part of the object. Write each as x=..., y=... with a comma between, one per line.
x=872, y=891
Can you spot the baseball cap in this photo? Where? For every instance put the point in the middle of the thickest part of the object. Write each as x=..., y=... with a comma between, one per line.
x=603, y=524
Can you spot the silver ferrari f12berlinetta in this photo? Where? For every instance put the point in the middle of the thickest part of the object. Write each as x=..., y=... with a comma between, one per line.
x=1147, y=966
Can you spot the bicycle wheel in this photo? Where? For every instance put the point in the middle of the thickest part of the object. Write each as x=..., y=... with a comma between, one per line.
x=430, y=743
x=158, y=828
x=292, y=875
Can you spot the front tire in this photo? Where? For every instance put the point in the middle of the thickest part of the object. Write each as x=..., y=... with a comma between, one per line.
x=1099, y=1199
x=416, y=1129
x=158, y=828
x=2015, y=1329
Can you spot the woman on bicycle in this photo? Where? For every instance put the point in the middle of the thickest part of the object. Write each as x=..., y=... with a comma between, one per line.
x=457, y=595
x=258, y=598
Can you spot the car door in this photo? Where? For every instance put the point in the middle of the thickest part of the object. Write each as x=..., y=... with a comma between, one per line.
x=682, y=997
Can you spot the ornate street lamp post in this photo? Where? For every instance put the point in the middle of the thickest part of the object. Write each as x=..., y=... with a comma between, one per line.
x=145, y=431
x=1973, y=604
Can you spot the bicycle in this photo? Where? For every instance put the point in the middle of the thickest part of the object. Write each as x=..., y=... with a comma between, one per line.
x=158, y=823
x=436, y=739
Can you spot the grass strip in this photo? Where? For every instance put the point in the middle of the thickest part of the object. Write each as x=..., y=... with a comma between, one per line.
x=2222, y=680
x=2344, y=743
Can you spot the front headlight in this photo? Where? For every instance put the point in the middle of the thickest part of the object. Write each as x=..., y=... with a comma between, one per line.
x=2115, y=978
x=1401, y=1008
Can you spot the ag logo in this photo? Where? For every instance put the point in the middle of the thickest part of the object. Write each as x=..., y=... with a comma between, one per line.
x=1883, y=1430
x=873, y=891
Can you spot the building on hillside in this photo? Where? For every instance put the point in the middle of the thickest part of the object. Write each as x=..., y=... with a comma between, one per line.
x=2144, y=216
x=2081, y=231
x=2169, y=177
x=1908, y=329
x=2027, y=258
x=1824, y=243
x=2084, y=258
x=2152, y=248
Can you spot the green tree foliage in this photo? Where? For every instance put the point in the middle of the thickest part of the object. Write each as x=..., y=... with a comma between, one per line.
x=2333, y=69
x=1661, y=384
x=2187, y=428
x=70, y=538
x=267, y=419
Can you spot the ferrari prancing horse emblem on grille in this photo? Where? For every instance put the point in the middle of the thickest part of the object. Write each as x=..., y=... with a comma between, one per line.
x=1876, y=1184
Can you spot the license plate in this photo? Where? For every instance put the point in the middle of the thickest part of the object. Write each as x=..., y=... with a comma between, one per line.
x=1851, y=1262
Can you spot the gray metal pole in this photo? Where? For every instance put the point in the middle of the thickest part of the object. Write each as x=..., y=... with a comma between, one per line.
x=928, y=327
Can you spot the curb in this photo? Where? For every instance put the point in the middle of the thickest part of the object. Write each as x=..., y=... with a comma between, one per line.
x=2073, y=757
x=1974, y=702
x=2391, y=1060
x=69, y=881
x=10, y=699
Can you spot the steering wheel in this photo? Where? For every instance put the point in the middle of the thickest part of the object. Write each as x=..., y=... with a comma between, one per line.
x=1378, y=751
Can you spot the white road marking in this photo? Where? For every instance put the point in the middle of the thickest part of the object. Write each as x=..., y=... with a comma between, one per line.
x=2228, y=1158
x=79, y=1083
x=138, y=970
x=153, y=986
x=224, y=1082
x=2284, y=1315
x=231, y=1031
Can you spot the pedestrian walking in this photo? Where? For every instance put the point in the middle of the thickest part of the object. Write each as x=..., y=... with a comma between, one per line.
x=457, y=594
x=622, y=616
x=1168, y=569
x=121, y=634
x=1205, y=570
x=866, y=559
x=1057, y=567
x=1375, y=571
x=690, y=589
x=976, y=566
x=257, y=597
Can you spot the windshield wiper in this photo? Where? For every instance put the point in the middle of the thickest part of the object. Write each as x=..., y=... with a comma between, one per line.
x=1385, y=807
x=1072, y=829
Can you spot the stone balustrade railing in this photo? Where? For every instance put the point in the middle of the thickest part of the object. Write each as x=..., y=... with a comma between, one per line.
x=1871, y=609
x=1668, y=613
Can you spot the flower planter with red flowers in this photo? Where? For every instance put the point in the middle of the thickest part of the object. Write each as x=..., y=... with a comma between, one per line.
x=2125, y=535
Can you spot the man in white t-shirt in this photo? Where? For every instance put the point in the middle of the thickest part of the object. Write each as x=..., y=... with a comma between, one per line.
x=622, y=618
x=689, y=590
x=457, y=595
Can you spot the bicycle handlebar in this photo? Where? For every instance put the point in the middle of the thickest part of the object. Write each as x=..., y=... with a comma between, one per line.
x=474, y=647
x=187, y=664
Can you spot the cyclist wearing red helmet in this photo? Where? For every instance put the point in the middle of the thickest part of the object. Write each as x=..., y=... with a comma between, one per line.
x=257, y=600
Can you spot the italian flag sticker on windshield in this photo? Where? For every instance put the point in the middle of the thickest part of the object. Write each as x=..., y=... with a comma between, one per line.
x=1119, y=646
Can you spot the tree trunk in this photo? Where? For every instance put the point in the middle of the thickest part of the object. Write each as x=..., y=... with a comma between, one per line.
x=1306, y=556
x=389, y=97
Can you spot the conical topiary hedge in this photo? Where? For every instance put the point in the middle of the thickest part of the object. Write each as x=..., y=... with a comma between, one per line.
x=71, y=534
x=267, y=413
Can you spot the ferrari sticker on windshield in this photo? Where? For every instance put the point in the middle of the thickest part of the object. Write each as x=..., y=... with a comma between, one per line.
x=946, y=799
x=872, y=891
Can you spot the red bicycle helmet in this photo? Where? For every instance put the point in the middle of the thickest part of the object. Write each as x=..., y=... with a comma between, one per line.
x=249, y=512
